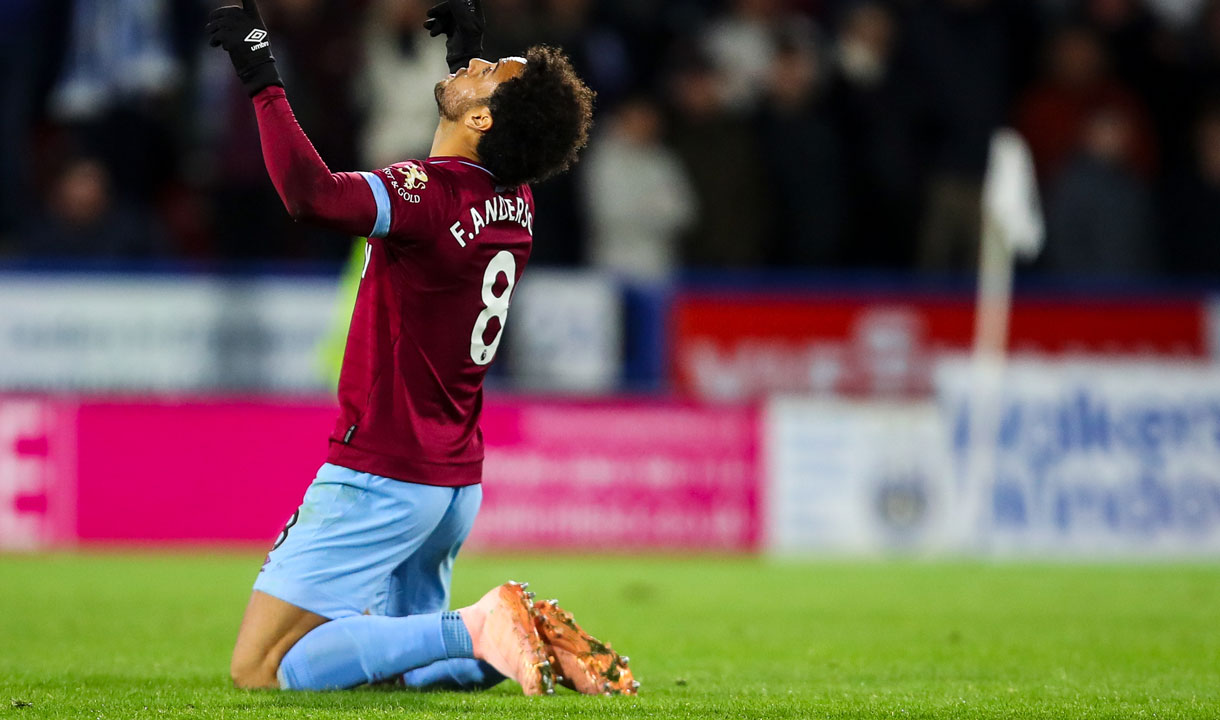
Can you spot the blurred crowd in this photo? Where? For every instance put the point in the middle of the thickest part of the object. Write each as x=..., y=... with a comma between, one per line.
x=730, y=133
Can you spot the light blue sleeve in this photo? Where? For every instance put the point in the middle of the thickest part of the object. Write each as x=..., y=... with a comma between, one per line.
x=382, y=227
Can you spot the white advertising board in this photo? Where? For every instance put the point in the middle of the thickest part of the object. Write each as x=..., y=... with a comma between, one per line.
x=162, y=332
x=855, y=477
x=1090, y=458
x=566, y=331
x=1084, y=459
x=188, y=333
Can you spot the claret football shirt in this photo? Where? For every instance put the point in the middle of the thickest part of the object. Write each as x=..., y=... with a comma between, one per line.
x=447, y=246
x=447, y=250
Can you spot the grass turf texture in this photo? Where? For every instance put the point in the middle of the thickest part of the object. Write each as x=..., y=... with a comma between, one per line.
x=148, y=636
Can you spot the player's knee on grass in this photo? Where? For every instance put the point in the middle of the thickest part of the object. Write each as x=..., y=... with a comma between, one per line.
x=268, y=631
x=253, y=671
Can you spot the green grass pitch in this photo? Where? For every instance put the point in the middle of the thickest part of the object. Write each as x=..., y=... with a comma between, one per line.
x=148, y=636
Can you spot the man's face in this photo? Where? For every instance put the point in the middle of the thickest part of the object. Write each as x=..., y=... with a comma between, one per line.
x=471, y=86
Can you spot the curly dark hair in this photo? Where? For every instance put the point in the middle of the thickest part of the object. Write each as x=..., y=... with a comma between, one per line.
x=541, y=120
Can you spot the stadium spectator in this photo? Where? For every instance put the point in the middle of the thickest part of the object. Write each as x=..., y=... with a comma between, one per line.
x=866, y=44
x=958, y=66
x=121, y=77
x=318, y=48
x=647, y=30
x=1099, y=213
x=516, y=25
x=250, y=226
x=119, y=51
x=805, y=175
x=1177, y=14
x=1200, y=76
x=561, y=233
x=908, y=96
x=637, y=195
x=719, y=150
x=20, y=63
x=83, y=217
x=397, y=82
x=1146, y=56
x=598, y=50
x=1192, y=206
x=742, y=45
x=1129, y=32
x=880, y=186
x=561, y=236
x=1204, y=68
x=1077, y=85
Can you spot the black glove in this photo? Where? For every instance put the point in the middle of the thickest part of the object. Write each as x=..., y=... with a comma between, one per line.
x=241, y=32
x=461, y=21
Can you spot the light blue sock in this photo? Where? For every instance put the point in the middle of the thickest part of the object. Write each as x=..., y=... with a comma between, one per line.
x=352, y=651
x=454, y=674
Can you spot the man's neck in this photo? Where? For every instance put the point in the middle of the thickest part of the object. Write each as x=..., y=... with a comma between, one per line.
x=452, y=140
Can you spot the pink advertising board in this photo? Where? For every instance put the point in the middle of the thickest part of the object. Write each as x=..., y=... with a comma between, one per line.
x=619, y=476
x=580, y=476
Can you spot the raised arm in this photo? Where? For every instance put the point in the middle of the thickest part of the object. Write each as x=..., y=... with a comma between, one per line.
x=347, y=202
x=311, y=192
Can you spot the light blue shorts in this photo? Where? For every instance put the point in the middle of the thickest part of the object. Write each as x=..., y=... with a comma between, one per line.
x=365, y=544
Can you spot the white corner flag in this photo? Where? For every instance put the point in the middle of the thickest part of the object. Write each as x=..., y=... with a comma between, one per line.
x=1012, y=227
x=1011, y=206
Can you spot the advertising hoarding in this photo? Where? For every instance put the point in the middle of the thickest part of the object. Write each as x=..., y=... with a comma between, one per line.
x=751, y=345
x=1089, y=458
x=860, y=477
x=605, y=475
x=111, y=332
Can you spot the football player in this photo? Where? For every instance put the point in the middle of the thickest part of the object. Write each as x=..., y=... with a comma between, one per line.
x=356, y=589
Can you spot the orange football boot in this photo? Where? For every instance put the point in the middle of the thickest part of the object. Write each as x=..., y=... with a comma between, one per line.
x=582, y=662
x=504, y=635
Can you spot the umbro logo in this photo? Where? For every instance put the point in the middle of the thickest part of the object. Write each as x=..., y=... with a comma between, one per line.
x=258, y=40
